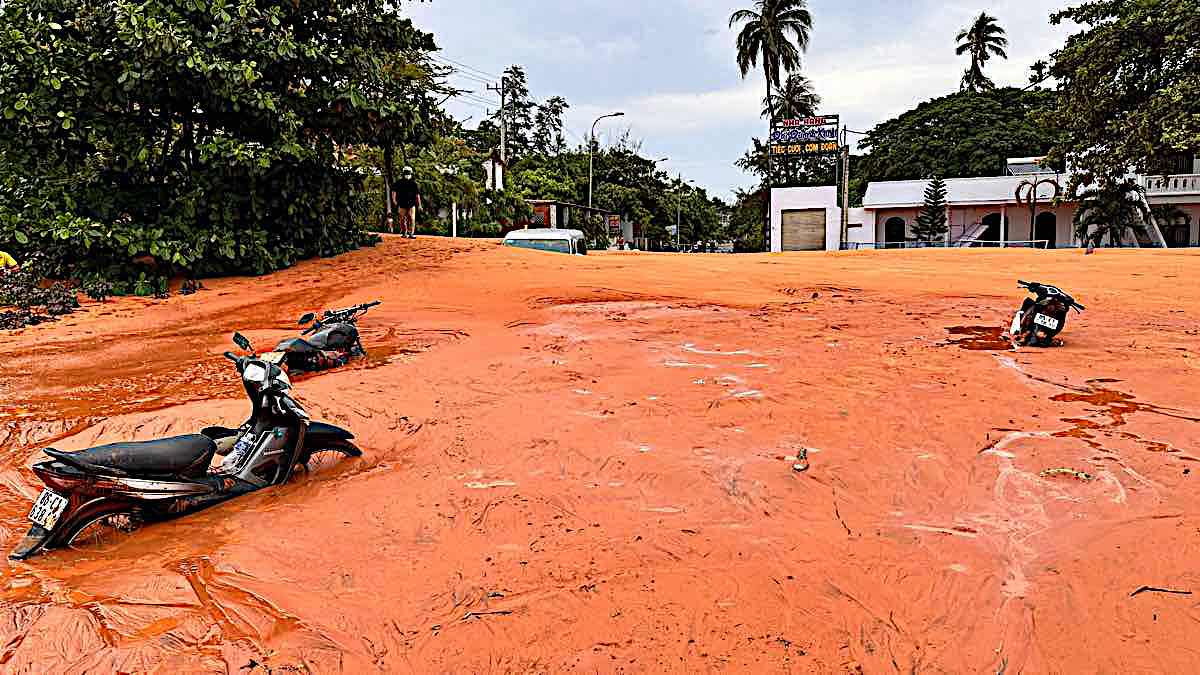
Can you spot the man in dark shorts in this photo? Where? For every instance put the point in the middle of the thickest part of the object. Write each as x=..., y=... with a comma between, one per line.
x=408, y=198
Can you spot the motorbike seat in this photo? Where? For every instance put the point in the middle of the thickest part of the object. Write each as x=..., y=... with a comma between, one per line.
x=302, y=346
x=182, y=455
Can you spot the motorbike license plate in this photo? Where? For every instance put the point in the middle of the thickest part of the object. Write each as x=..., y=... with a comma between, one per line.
x=48, y=509
x=1046, y=321
x=274, y=357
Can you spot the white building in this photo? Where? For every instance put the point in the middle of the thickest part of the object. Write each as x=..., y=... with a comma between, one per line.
x=981, y=211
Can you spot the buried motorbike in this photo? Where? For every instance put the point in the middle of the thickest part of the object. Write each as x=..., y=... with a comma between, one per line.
x=98, y=494
x=330, y=341
x=1039, y=321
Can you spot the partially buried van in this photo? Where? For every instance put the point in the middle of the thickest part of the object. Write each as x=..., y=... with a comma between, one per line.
x=546, y=239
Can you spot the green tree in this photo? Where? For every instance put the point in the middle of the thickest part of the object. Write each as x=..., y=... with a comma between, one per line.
x=745, y=220
x=931, y=223
x=963, y=135
x=1129, y=85
x=796, y=99
x=517, y=113
x=208, y=136
x=1111, y=208
x=1039, y=72
x=777, y=33
x=548, y=136
x=983, y=39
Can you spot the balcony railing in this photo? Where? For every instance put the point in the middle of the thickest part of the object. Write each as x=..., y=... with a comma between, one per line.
x=1172, y=185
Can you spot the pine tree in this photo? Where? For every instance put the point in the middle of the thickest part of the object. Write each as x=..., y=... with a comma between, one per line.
x=931, y=224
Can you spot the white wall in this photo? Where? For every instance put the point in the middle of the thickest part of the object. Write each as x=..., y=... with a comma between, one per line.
x=963, y=220
x=798, y=199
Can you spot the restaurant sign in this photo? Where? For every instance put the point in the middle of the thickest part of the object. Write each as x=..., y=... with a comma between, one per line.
x=806, y=136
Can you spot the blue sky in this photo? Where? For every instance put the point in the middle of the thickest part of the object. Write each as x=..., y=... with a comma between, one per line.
x=669, y=64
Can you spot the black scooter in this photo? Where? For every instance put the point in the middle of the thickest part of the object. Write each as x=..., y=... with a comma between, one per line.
x=94, y=496
x=1039, y=321
x=329, y=342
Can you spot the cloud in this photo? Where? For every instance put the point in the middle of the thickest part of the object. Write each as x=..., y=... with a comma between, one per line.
x=670, y=64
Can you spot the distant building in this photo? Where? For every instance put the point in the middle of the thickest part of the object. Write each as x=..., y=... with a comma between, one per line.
x=981, y=212
x=560, y=215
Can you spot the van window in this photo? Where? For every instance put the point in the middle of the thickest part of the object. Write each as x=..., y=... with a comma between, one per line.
x=555, y=245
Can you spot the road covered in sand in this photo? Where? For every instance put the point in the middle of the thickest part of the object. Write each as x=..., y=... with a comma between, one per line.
x=587, y=464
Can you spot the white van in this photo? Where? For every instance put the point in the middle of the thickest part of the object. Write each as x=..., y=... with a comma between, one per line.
x=546, y=239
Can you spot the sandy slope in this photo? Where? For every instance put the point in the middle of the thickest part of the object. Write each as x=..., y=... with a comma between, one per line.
x=586, y=465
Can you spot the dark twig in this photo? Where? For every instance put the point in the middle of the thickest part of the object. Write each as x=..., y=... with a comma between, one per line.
x=476, y=615
x=1153, y=589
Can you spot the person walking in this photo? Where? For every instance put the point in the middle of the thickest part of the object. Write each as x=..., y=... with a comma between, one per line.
x=408, y=199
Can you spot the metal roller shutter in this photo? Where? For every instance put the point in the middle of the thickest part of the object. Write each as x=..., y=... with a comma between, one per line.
x=804, y=230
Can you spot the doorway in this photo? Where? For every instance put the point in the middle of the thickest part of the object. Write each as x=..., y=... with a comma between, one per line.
x=1046, y=229
x=894, y=232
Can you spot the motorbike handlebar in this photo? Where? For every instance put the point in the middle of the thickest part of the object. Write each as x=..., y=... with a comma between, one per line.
x=231, y=356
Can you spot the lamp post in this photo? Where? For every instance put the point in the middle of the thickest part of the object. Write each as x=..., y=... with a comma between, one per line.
x=591, y=148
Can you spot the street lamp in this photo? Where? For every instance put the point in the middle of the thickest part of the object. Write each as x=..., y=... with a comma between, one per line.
x=591, y=148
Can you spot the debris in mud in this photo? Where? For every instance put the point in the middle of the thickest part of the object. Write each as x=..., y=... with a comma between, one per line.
x=1154, y=589
x=982, y=338
x=801, y=460
x=476, y=615
x=1081, y=475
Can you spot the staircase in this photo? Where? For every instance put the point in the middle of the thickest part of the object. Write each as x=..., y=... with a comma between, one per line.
x=969, y=236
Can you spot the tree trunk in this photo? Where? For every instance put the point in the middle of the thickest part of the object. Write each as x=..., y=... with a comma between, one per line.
x=770, y=163
x=388, y=153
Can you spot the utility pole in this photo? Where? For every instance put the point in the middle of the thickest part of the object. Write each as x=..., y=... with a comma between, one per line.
x=502, y=90
x=845, y=188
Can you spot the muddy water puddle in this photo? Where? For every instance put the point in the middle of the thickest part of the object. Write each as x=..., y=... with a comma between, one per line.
x=981, y=338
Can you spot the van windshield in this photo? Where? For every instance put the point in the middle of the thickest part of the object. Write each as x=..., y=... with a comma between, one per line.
x=556, y=245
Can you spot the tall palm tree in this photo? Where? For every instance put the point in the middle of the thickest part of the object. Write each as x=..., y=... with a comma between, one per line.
x=983, y=39
x=796, y=99
x=1112, y=207
x=775, y=33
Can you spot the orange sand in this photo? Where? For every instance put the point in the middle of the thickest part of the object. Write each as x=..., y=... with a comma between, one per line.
x=585, y=464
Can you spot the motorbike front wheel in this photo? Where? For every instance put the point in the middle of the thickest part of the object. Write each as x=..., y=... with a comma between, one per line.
x=331, y=453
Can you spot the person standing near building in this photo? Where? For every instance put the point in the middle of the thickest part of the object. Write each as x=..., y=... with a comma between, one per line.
x=408, y=199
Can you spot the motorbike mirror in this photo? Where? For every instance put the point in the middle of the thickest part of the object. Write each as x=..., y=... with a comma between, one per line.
x=241, y=341
x=307, y=318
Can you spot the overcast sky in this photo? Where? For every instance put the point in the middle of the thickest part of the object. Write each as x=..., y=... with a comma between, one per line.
x=670, y=64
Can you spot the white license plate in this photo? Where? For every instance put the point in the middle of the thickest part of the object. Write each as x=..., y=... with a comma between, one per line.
x=1047, y=321
x=274, y=357
x=48, y=509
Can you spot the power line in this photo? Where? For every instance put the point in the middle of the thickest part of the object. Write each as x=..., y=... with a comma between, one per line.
x=460, y=64
x=468, y=76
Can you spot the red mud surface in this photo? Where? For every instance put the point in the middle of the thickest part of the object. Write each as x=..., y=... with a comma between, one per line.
x=586, y=465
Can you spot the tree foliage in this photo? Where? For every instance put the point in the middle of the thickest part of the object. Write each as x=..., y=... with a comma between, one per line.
x=965, y=134
x=205, y=134
x=931, y=224
x=796, y=98
x=1129, y=85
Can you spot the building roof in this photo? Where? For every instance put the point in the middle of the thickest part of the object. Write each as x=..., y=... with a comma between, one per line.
x=959, y=192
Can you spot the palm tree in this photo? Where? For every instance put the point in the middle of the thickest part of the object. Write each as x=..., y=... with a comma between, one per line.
x=796, y=99
x=1112, y=207
x=983, y=39
x=775, y=32
x=1027, y=193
